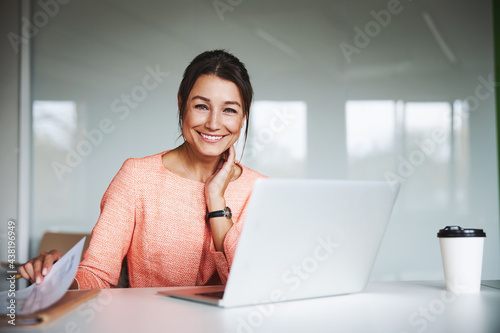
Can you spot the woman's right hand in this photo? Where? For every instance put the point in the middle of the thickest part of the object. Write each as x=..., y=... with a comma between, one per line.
x=37, y=268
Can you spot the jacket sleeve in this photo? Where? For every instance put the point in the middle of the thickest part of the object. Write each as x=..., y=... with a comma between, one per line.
x=224, y=260
x=111, y=236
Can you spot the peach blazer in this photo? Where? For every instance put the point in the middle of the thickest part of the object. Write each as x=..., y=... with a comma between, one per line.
x=157, y=219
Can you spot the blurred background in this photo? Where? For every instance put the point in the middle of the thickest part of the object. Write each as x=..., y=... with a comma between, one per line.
x=373, y=90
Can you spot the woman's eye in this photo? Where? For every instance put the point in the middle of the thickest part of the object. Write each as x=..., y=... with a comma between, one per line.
x=230, y=110
x=201, y=107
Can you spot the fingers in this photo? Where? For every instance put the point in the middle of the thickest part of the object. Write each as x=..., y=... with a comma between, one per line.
x=228, y=159
x=49, y=261
x=37, y=268
x=26, y=271
x=216, y=185
x=226, y=171
x=231, y=154
x=228, y=154
x=226, y=162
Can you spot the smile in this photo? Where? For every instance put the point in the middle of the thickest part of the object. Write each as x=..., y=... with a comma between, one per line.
x=211, y=138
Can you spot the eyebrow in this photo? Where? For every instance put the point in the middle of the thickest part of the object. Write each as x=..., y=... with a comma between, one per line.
x=208, y=100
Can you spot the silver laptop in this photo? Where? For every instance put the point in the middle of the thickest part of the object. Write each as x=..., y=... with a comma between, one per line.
x=303, y=239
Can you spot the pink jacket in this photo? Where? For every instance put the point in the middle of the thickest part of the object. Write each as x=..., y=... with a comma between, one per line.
x=157, y=219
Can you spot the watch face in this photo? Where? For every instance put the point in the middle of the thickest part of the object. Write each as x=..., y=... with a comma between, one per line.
x=227, y=213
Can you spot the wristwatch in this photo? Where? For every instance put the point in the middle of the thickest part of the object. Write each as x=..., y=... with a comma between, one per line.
x=218, y=213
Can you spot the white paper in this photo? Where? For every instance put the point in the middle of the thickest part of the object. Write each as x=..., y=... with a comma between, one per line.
x=54, y=285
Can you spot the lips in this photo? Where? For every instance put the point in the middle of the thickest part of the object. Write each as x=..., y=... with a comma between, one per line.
x=210, y=138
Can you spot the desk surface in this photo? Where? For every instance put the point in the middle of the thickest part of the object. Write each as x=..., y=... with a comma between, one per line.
x=382, y=307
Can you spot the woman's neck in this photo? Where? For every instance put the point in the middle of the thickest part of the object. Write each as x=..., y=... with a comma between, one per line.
x=197, y=167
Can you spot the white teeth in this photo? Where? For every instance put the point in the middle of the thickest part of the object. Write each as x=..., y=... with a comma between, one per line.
x=210, y=137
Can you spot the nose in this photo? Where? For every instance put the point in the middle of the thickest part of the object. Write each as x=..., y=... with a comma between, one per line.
x=213, y=122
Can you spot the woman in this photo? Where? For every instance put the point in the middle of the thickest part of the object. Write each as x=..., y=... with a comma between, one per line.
x=176, y=215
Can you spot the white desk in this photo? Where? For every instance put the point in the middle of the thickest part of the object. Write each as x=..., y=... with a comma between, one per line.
x=383, y=307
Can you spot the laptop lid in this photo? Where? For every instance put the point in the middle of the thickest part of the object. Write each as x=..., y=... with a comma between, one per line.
x=308, y=238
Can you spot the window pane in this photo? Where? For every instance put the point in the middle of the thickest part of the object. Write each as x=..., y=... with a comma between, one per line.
x=277, y=139
x=370, y=130
x=426, y=161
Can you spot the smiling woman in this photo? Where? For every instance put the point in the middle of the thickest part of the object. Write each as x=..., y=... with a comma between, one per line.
x=177, y=215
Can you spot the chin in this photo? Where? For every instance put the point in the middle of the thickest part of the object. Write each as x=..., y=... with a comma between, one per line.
x=212, y=151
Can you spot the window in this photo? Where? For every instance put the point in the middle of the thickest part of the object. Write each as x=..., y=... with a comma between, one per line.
x=421, y=144
x=277, y=139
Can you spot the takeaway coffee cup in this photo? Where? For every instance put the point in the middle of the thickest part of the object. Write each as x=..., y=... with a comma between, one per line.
x=462, y=254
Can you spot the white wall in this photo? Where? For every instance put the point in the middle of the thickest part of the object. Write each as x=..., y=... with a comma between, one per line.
x=92, y=52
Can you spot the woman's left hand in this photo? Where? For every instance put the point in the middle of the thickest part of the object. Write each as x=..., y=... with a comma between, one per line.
x=216, y=185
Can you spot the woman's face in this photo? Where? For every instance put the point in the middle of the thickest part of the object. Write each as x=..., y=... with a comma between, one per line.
x=214, y=115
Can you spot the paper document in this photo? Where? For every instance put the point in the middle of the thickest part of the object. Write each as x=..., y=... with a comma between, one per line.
x=54, y=286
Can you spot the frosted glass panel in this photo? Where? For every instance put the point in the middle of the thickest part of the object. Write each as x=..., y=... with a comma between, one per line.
x=428, y=153
x=371, y=137
x=54, y=123
x=340, y=93
x=277, y=140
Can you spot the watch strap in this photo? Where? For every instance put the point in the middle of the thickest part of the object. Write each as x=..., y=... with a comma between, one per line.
x=219, y=213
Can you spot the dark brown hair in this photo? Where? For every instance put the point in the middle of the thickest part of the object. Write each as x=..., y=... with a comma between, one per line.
x=225, y=66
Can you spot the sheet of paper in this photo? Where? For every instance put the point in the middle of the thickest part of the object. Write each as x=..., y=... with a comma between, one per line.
x=54, y=285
